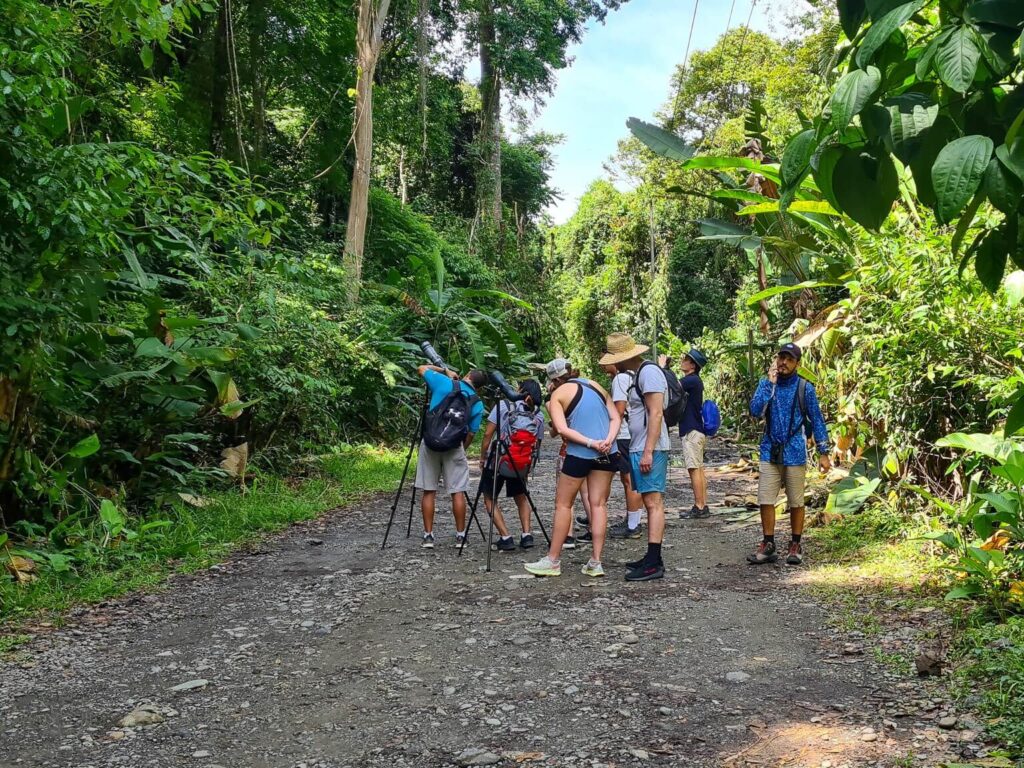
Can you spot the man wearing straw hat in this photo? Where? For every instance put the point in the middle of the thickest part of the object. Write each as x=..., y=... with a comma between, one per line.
x=648, y=447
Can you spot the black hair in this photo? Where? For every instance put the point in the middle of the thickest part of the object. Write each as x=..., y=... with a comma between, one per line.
x=532, y=388
x=477, y=378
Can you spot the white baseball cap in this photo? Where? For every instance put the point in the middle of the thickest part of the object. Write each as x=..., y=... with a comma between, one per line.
x=557, y=368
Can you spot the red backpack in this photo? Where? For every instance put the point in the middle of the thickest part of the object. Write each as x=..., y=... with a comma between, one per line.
x=522, y=444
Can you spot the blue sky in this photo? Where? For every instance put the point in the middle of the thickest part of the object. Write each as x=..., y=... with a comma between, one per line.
x=622, y=69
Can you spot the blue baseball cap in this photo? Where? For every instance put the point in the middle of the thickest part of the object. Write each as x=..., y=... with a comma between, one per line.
x=791, y=349
x=697, y=356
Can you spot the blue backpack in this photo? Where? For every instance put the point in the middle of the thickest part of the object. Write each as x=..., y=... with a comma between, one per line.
x=712, y=417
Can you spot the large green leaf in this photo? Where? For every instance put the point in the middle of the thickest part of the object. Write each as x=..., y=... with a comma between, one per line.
x=715, y=162
x=990, y=260
x=865, y=186
x=910, y=116
x=797, y=156
x=849, y=500
x=1012, y=156
x=1013, y=286
x=1015, y=419
x=927, y=58
x=956, y=60
x=776, y=290
x=958, y=172
x=85, y=447
x=1004, y=13
x=799, y=206
x=851, y=16
x=985, y=445
x=852, y=94
x=660, y=141
x=824, y=170
x=1002, y=187
x=882, y=30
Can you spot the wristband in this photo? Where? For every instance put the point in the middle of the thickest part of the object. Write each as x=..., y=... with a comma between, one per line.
x=590, y=443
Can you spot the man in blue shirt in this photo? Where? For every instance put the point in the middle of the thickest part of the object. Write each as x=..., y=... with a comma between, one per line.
x=692, y=434
x=783, y=455
x=452, y=465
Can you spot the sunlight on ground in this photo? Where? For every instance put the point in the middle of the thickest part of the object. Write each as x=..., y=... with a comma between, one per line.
x=812, y=745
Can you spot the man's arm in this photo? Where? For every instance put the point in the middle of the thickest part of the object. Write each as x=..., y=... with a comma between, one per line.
x=762, y=396
x=423, y=369
x=485, y=444
x=655, y=404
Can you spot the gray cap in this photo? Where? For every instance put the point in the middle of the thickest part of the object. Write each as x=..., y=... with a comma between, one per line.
x=557, y=368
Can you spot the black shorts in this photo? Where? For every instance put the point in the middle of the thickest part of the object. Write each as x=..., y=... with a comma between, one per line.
x=513, y=485
x=623, y=454
x=575, y=466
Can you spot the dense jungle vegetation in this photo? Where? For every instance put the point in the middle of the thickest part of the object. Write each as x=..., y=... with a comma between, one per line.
x=225, y=227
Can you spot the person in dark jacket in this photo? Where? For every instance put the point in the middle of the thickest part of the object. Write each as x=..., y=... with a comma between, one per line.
x=692, y=433
x=783, y=454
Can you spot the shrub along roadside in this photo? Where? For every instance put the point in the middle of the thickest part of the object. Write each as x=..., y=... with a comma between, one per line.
x=188, y=538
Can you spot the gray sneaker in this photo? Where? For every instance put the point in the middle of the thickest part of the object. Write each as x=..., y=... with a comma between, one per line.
x=621, y=530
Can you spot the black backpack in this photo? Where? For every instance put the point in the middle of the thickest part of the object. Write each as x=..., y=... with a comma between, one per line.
x=675, y=399
x=445, y=427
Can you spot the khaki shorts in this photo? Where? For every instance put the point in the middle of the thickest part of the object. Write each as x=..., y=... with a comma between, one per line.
x=452, y=465
x=771, y=479
x=693, y=449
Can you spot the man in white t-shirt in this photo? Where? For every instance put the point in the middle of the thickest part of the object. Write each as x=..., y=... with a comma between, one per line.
x=648, y=446
x=630, y=527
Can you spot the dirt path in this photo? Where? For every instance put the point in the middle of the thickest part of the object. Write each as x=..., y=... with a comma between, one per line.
x=320, y=651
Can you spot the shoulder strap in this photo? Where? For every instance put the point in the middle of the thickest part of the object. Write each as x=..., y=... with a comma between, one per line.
x=579, y=396
x=801, y=398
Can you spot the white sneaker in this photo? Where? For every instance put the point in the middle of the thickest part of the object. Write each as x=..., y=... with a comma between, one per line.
x=544, y=567
x=593, y=569
x=428, y=541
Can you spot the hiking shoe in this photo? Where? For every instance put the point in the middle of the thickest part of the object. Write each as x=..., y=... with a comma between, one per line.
x=622, y=530
x=593, y=568
x=570, y=543
x=795, y=555
x=586, y=538
x=583, y=519
x=506, y=545
x=428, y=541
x=544, y=567
x=646, y=572
x=690, y=514
x=460, y=540
x=703, y=513
x=765, y=553
x=526, y=541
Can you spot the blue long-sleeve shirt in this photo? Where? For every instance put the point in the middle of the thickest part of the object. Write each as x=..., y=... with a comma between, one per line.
x=785, y=421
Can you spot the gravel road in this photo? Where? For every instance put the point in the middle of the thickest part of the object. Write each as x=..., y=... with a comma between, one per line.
x=317, y=649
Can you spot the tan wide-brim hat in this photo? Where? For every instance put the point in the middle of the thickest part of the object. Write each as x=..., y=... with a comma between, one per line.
x=621, y=347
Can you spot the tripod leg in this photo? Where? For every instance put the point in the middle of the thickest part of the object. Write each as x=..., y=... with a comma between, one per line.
x=536, y=514
x=472, y=514
x=398, y=494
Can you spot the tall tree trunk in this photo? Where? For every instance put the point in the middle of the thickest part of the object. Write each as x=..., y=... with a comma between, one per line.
x=369, y=27
x=219, y=132
x=257, y=33
x=488, y=182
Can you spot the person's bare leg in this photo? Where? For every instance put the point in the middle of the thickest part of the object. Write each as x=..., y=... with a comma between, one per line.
x=427, y=502
x=459, y=510
x=524, y=512
x=654, y=503
x=499, y=521
x=634, y=501
x=599, y=485
x=585, y=497
x=565, y=495
x=796, y=520
x=700, y=487
x=768, y=519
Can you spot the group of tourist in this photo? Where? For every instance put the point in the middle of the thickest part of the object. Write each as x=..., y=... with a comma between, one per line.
x=624, y=433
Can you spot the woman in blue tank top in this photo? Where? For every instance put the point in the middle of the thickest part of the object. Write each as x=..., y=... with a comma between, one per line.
x=586, y=419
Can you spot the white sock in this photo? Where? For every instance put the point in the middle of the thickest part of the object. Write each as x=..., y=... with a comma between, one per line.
x=460, y=533
x=633, y=519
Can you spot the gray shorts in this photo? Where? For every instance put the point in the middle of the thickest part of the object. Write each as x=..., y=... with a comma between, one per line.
x=452, y=465
x=772, y=478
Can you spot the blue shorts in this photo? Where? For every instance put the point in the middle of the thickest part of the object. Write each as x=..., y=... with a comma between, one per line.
x=655, y=480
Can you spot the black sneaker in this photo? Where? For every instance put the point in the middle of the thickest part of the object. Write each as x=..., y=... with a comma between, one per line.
x=526, y=541
x=703, y=513
x=646, y=572
x=690, y=514
x=586, y=538
x=570, y=543
x=506, y=545
x=634, y=564
x=583, y=519
x=622, y=530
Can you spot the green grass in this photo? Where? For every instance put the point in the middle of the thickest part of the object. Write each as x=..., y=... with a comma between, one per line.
x=197, y=537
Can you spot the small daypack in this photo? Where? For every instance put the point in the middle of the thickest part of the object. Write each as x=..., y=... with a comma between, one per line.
x=675, y=400
x=712, y=417
x=519, y=458
x=445, y=427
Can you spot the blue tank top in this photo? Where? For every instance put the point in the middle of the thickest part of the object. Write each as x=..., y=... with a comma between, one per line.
x=590, y=418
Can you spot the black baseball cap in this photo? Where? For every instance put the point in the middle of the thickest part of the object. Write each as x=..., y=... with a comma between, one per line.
x=791, y=349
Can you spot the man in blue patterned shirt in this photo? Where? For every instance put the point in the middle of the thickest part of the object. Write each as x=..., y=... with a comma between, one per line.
x=789, y=406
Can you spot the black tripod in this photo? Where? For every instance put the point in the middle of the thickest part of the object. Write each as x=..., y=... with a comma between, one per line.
x=501, y=449
x=416, y=438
